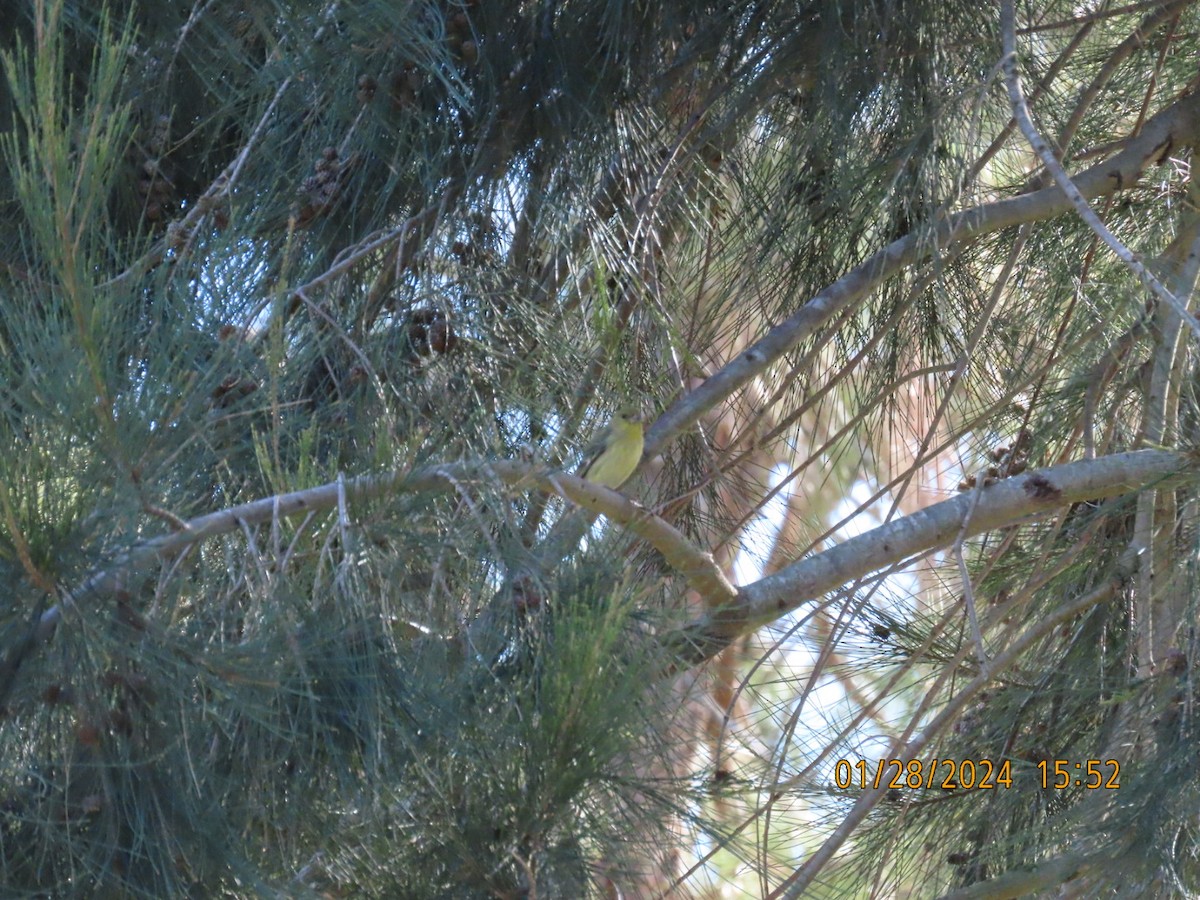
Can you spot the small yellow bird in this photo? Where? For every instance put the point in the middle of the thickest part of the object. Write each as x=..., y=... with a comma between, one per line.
x=617, y=451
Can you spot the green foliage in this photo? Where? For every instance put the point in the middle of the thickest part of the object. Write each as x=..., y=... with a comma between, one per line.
x=256, y=247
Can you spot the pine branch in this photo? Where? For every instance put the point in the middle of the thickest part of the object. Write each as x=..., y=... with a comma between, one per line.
x=1023, y=498
x=1173, y=127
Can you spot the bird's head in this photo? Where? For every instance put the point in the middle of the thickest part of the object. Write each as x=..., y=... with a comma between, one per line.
x=630, y=412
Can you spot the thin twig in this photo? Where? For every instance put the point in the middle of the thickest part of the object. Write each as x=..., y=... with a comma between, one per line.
x=1091, y=18
x=32, y=571
x=965, y=575
x=1179, y=123
x=1135, y=41
x=1063, y=180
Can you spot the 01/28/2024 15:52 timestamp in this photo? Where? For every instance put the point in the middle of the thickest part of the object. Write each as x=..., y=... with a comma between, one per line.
x=953, y=774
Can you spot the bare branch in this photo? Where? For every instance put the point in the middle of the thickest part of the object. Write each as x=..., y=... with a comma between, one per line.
x=1175, y=126
x=1069, y=188
x=1021, y=498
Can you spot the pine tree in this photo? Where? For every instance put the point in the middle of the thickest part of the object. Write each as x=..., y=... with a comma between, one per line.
x=309, y=309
